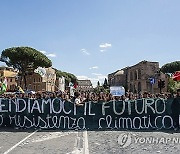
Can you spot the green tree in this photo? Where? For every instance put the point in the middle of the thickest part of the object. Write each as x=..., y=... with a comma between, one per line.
x=98, y=84
x=173, y=85
x=68, y=76
x=24, y=59
x=171, y=67
x=105, y=85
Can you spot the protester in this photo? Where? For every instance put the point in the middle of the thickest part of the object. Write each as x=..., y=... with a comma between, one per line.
x=77, y=100
x=176, y=110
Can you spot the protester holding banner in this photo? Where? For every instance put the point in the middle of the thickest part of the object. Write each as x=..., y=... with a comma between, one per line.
x=77, y=99
x=176, y=110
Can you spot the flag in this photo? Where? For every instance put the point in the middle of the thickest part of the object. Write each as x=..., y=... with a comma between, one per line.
x=75, y=85
x=152, y=80
x=5, y=82
x=176, y=76
x=70, y=84
x=20, y=90
x=41, y=71
x=3, y=87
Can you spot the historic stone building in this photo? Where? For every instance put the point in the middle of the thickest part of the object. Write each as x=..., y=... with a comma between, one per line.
x=35, y=82
x=117, y=78
x=137, y=78
x=84, y=85
x=10, y=74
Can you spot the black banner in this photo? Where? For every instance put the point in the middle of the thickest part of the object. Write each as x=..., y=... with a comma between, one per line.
x=59, y=114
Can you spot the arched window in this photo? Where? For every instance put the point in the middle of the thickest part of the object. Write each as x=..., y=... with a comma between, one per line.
x=139, y=86
x=135, y=75
x=131, y=88
x=135, y=90
x=139, y=74
x=131, y=76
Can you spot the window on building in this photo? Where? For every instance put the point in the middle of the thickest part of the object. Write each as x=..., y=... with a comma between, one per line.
x=139, y=86
x=131, y=76
x=148, y=86
x=139, y=74
x=131, y=88
x=135, y=75
x=135, y=89
x=30, y=86
x=39, y=87
x=34, y=79
x=34, y=87
x=10, y=80
x=13, y=87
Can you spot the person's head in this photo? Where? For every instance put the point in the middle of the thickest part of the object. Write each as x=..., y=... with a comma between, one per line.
x=38, y=95
x=67, y=97
x=140, y=96
x=127, y=94
x=131, y=96
x=100, y=95
x=59, y=95
x=51, y=95
x=77, y=94
x=117, y=98
x=21, y=95
x=123, y=97
x=145, y=94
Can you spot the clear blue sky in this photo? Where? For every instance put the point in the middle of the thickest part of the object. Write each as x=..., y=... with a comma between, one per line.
x=92, y=38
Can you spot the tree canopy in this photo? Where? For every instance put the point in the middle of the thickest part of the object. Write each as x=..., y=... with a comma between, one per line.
x=105, y=85
x=173, y=85
x=68, y=76
x=98, y=84
x=171, y=67
x=24, y=59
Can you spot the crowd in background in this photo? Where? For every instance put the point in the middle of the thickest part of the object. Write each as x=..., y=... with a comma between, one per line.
x=105, y=97
x=87, y=96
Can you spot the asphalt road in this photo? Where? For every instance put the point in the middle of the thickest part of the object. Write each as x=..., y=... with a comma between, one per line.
x=88, y=142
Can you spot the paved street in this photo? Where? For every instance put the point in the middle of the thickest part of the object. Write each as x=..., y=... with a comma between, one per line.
x=84, y=142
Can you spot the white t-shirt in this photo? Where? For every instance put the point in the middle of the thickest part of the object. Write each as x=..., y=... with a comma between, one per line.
x=77, y=101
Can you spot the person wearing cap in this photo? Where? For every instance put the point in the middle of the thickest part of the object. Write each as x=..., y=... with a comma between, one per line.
x=175, y=107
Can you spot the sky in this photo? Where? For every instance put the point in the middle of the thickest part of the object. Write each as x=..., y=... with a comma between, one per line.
x=93, y=38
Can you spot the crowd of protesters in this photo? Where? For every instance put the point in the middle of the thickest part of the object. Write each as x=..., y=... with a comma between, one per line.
x=82, y=97
x=79, y=98
x=87, y=96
